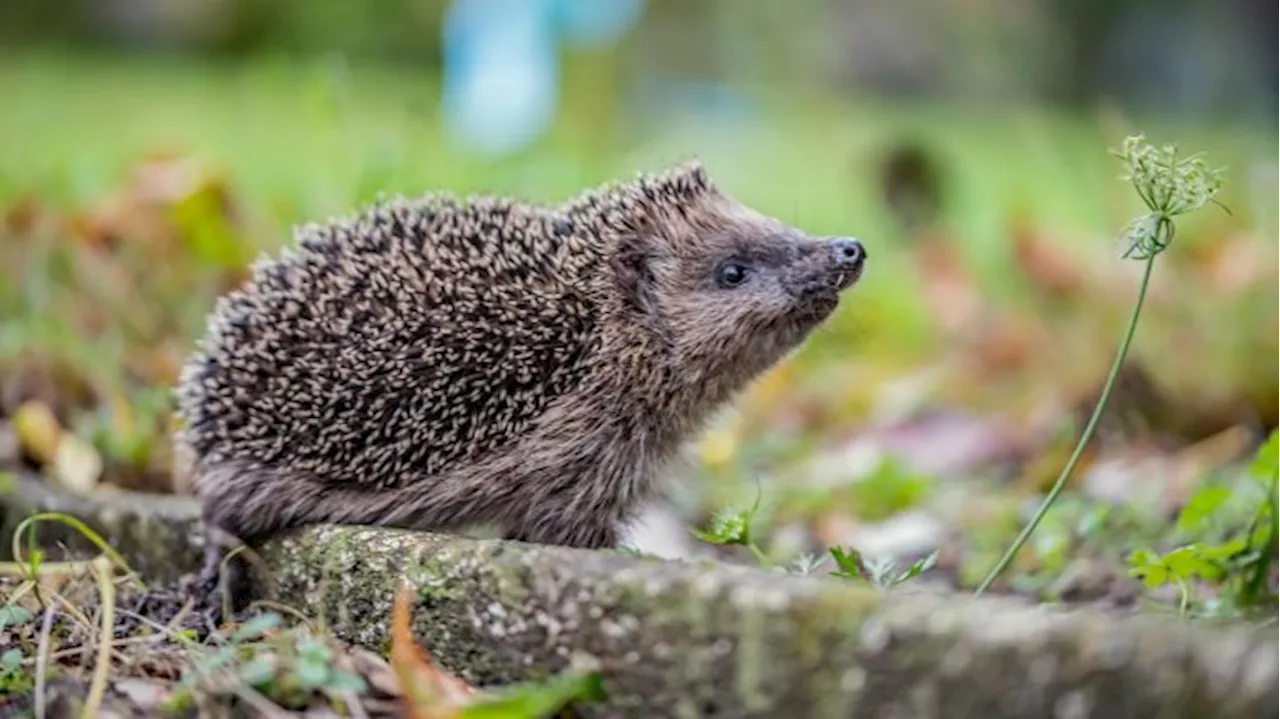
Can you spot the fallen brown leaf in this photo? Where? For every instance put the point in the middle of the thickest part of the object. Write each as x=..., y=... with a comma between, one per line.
x=38, y=430
x=950, y=289
x=21, y=217
x=428, y=692
x=1047, y=268
x=77, y=465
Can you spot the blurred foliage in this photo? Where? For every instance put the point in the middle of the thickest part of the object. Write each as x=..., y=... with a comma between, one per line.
x=1215, y=58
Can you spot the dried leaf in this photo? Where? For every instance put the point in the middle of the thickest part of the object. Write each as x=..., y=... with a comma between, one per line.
x=1047, y=268
x=428, y=692
x=77, y=465
x=39, y=432
x=950, y=289
x=21, y=217
x=143, y=694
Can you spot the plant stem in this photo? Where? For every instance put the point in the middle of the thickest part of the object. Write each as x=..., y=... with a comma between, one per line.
x=760, y=556
x=1185, y=595
x=1084, y=438
x=107, y=599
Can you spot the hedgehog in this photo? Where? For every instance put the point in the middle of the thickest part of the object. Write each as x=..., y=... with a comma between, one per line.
x=437, y=363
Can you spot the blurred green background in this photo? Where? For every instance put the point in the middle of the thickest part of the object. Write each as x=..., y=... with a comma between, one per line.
x=149, y=149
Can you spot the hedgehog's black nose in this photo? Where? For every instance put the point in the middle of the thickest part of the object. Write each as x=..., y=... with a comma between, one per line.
x=848, y=252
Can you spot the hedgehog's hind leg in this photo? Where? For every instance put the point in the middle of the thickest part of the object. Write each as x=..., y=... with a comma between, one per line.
x=243, y=505
x=223, y=571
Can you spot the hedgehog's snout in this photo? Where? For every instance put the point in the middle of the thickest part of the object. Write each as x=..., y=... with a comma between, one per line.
x=848, y=257
x=829, y=267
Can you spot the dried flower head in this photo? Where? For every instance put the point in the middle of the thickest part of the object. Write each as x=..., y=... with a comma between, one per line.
x=1169, y=186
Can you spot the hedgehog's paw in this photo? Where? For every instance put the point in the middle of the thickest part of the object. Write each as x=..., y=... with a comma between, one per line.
x=224, y=579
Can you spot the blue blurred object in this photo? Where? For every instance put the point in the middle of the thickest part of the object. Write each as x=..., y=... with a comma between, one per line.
x=595, y=23
x=500, y=79
x=501, y=84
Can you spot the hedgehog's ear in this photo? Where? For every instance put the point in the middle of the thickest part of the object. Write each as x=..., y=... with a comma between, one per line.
x=631, y=265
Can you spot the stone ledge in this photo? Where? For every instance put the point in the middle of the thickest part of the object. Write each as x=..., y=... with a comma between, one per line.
x=700, y=639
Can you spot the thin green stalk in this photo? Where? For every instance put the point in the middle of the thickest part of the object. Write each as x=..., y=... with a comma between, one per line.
x=1084, y=438
x=761, y=557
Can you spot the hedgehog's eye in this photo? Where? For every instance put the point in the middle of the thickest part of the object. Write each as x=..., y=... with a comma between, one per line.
x=732, y=274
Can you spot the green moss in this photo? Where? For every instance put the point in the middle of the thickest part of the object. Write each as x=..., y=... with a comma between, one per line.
x=433, y=581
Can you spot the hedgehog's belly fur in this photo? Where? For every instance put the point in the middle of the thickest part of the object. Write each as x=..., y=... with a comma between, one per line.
x=570, y=479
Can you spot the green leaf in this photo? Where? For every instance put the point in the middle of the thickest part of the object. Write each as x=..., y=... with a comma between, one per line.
x=315, y=650
x=1147, y=566
x=311, y=674
x=729, y=526
x=533, y=701
x=1153, y=577
x=1202, y=505
x=880, y=569
x=1143, y=558
x=257, y=671
x=341, y=680
x=13, y=615
x=1224, y=551
x=1266, y=464
x=1186, y=562
x=179, y=702
x=215, y=661
x=255, y=627
x=1263, y=541
x=922, y=565
x=11, y=659
x=847, y=562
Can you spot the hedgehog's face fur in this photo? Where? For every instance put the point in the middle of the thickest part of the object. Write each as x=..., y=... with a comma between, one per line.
x=731, y=291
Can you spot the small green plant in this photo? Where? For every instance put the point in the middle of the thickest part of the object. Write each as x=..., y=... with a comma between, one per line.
x=732, y=526
x=1264, y=529
x=14, y=678
x=883, y=572
x=285, y=665
x=13, y=615
x=1169, y=186
x=1236, y=561
x=1181, y=566
x=806, y=564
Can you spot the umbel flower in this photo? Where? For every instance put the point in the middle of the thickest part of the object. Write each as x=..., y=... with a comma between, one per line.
x=1169, y=186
